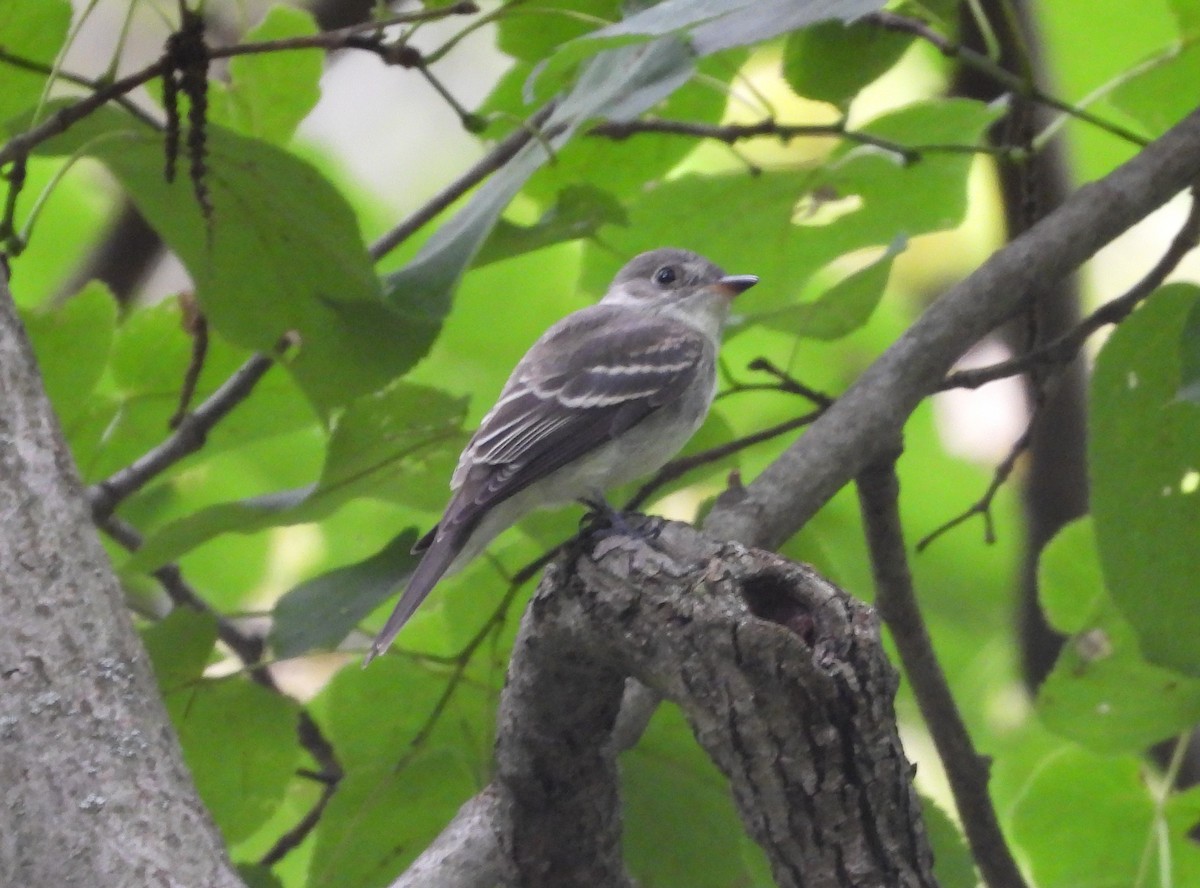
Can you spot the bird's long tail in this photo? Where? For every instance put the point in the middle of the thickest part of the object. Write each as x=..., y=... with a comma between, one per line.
x=437, y=558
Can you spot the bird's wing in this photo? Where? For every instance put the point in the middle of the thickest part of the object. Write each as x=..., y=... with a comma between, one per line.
x=585, y=382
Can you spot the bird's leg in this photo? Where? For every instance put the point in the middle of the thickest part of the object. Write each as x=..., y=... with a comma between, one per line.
x=605, y=519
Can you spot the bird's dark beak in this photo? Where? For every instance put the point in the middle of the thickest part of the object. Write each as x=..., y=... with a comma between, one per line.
x=733, y=284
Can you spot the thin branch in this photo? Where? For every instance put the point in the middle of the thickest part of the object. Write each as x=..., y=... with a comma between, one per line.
x=504, y=151
x=967, y=771
x=730, y=133
x=247, y=648
x=789, y=384
x=983, y=506
x=187, y=438
x=679, y=467
x=89, y=83
x=1063, y=349
x=23, y=143
x=893, y=22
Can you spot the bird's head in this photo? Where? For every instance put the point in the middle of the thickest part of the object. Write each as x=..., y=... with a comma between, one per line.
x=680, y=284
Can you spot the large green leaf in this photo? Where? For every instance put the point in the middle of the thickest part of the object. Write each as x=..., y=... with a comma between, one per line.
x=319, y=613
x=268, y=94
x=842, y=308
x=398, y=444
x=72, y=343
x=833, y=61
x=239, y=742
x=623, y=69
x=1101, y=692
x=283, y=253
x=238, y=738
x=749, y=223
x=1189, y=357
x=398, y=793
x=1144, y=458
x=1089, y=820
x=34, y=32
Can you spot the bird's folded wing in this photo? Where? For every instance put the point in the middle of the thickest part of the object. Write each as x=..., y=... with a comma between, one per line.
x=576, y=389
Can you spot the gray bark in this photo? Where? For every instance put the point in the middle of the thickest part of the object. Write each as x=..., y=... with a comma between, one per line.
x=93, y=788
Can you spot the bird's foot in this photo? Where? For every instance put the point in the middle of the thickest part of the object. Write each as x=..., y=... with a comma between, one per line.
x=603, y=519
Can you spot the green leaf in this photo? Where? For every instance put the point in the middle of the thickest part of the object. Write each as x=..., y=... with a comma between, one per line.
x=713, y=25
x=239, y=742
x=180, y=646
x=1145, y=475
x=1154, y=97
x=626, y=81
x=617, y=83
x=681, y=827
x=1076, y=801
x=72, y=342
x=749, y=223
x=150, y=355
x=396, y=796
x=1101, y=693
x=578, y=213
x=1189, y=357
x=270, y=93
x=842, y=308
x=392, y=445
x=320, y=613
x=284, y=254
x=33, y=32
x=532, y=31
x=952, y=861
x=833, y=61
x=1070, y=582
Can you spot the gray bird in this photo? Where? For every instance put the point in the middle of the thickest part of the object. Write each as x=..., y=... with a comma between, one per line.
x=606, y=395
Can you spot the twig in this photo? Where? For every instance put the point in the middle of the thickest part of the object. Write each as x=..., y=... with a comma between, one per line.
x=967, y=771
x=730, y=133
x=21, y=144
x=679, y=467
x=893, y=22
x=983, y=506
x=504, y=151
x=90, y=83
x=788, y=383
x=330, y=777
x=198, y=326
x=186, y=439
x=1063, y=349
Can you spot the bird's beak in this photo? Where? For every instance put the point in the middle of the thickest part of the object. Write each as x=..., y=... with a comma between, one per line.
x=733, y=284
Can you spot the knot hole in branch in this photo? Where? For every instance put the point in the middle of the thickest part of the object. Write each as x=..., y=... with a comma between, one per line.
x=770, y=596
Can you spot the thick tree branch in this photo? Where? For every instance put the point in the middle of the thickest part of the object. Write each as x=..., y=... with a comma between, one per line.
x=781, y=676
x=92, y=781
x=851, y=433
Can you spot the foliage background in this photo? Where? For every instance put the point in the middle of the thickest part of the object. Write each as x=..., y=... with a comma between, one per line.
x=302, y=503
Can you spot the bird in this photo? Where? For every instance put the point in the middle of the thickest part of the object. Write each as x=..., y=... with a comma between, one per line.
x=606, y=395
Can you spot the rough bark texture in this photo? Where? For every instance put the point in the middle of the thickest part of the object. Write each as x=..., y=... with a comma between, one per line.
x=780, y=674
x=93, y=790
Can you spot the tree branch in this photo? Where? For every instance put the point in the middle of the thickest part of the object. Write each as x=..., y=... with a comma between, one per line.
x=781, y=676
x=188, y=437
x=1063, y=349
x=879, y=498
x=851, y=433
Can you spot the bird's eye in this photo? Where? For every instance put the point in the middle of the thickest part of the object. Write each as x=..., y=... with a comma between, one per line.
x=665, y=276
